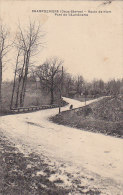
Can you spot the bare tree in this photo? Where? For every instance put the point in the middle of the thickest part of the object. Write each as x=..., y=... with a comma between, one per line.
x=4, y=45
x=27, y=41
x=50, y=74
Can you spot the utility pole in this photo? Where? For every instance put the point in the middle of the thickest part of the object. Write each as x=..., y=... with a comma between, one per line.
x=85, y=93
x=61, y=89
x=85, y=96
x=62, y=82
x=85, y=99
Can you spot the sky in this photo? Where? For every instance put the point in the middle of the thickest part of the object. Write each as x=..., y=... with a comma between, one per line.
x=91, y=46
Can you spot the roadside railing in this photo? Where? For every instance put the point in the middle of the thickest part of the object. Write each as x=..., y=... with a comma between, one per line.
x=32, y=108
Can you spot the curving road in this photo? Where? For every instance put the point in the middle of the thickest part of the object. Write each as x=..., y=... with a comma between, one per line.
x=96, y=159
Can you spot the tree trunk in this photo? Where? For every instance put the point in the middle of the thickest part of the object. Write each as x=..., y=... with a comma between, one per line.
x=23, y=90
x=19, y=82
x=52, y=91
x=22, y=94
x=13, y=90
x=17, y=96
x=52, y=96
x=0, y=85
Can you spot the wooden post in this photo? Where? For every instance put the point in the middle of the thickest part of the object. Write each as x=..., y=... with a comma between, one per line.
x=85, y=96
x=61, y=89
x=85, y=100
x=59, y=109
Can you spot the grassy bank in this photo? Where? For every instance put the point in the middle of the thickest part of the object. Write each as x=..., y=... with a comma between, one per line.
x=19, y=173
x=104, y=116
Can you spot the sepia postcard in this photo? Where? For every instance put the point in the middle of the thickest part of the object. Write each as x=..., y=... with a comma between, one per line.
x=61, y=97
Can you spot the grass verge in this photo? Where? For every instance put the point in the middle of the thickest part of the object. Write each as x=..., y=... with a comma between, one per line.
x=33, y=175
x=19, y=174
x=104, y=116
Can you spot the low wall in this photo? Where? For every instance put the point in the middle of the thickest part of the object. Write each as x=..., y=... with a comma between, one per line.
x=32, y=108
x=35, y=108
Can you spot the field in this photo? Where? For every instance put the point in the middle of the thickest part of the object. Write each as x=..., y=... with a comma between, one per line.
x=105, y=116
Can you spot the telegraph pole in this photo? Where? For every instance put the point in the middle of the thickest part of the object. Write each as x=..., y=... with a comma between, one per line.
x=62, y=82
x=85, y=96
x=61, y=89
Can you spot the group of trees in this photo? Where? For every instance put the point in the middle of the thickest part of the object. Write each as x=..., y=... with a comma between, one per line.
x=101, y=88
x=25, y=45
x=4, y=47
x=53, y=79
x=50, y=75
x=79, y=86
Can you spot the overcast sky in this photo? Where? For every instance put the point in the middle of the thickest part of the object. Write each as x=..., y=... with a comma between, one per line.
x=89, y=45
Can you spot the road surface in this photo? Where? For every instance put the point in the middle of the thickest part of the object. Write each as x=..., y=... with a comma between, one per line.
x=94, y=159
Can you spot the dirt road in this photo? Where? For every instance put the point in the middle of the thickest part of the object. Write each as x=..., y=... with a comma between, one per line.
x=83, y=160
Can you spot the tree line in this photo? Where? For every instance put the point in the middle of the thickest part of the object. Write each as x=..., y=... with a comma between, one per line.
x=72, y=86
x=51, y=76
